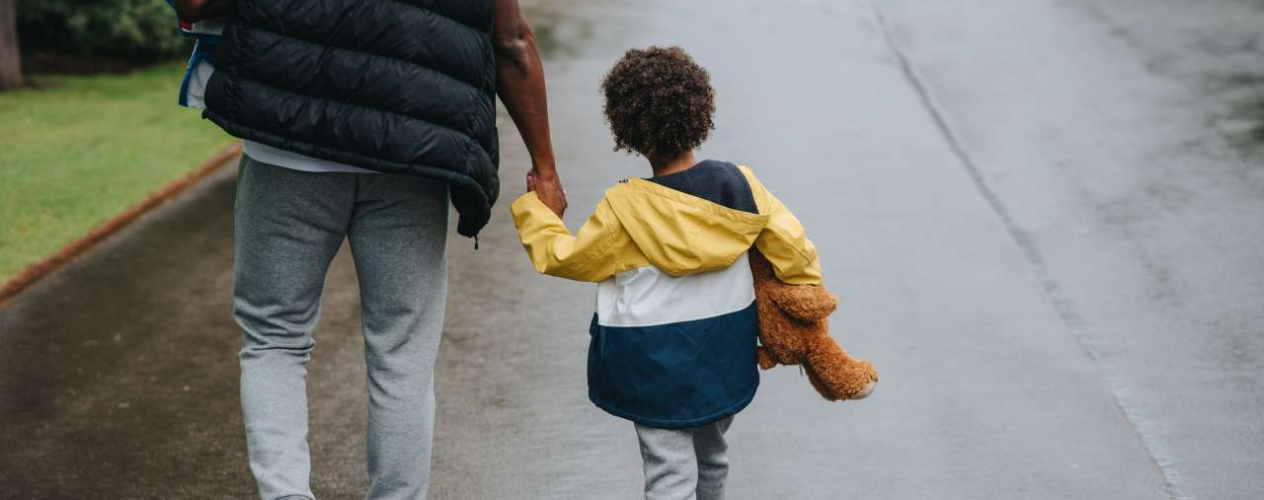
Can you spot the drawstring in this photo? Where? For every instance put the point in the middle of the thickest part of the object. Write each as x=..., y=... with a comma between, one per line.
x=476, y=242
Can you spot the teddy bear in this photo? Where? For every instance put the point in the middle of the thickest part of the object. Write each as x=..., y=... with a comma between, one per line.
x=794, y=330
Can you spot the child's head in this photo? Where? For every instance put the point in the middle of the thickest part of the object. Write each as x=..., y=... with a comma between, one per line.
x=659, y=103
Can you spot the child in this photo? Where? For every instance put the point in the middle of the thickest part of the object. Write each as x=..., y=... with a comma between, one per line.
x=675, y=331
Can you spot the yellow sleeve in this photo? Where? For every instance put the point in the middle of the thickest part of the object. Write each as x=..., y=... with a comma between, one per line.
x=784, y=241
x=592, y=254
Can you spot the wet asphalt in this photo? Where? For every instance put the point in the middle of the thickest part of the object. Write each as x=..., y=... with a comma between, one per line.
x=1043, y=218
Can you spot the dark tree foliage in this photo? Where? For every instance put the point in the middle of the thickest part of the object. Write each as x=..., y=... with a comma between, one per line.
x=131, y=28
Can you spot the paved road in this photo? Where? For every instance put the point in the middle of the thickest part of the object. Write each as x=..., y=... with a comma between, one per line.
x=1044, y=218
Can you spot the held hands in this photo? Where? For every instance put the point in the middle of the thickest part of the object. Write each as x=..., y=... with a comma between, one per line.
x=549, y=189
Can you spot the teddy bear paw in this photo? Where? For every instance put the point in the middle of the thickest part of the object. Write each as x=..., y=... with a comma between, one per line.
x=866, y=390
x=764, y=358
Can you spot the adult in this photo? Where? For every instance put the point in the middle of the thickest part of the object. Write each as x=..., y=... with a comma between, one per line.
x=362, y=119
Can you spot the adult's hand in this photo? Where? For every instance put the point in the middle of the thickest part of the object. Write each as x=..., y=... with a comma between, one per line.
x=520, y=83
x=549, y=190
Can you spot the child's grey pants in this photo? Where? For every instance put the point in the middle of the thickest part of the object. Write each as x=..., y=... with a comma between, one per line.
x=685, y=464
x=288, y=226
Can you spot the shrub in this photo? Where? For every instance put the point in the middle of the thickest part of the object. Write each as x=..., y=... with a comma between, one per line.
x=131, y=28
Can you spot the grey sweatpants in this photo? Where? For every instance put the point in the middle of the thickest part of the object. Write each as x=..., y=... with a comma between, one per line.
x=685, y=464
x=288, y=226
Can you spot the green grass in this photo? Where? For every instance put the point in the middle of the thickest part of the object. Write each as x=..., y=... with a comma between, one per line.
x=77, y=150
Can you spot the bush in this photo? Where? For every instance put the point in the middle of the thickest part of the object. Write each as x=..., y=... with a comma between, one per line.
x=132, y=28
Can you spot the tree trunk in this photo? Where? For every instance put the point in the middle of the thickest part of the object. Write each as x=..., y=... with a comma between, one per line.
x=10, y=59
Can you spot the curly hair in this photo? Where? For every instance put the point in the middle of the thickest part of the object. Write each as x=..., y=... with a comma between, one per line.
x=659, y=103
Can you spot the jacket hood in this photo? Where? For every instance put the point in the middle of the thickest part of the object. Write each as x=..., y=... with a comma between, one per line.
x=680, y=233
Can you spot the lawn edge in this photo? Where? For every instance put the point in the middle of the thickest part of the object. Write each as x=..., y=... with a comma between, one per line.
x=34, y=272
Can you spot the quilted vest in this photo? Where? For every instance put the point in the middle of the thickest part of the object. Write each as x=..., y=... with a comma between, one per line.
x=395, y=86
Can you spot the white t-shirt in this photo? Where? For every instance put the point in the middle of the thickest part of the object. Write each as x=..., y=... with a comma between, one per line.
x=263, y=152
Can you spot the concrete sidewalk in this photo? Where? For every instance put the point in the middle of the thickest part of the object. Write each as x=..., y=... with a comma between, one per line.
x=870, y=120
x=1121, y=142
x=985, y=392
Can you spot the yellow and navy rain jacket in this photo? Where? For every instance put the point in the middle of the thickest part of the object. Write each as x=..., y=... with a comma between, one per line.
x=675, y=328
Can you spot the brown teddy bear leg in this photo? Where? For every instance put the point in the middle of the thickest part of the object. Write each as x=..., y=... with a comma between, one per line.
x=835, y=374
x=824, y=390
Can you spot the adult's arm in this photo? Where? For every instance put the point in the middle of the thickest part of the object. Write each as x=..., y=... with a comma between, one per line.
x=201, y=10
x=520, y=83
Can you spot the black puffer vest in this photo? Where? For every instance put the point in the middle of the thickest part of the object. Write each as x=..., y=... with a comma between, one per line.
x=396, y=86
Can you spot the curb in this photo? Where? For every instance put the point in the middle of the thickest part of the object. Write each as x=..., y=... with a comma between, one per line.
x=34, y=272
